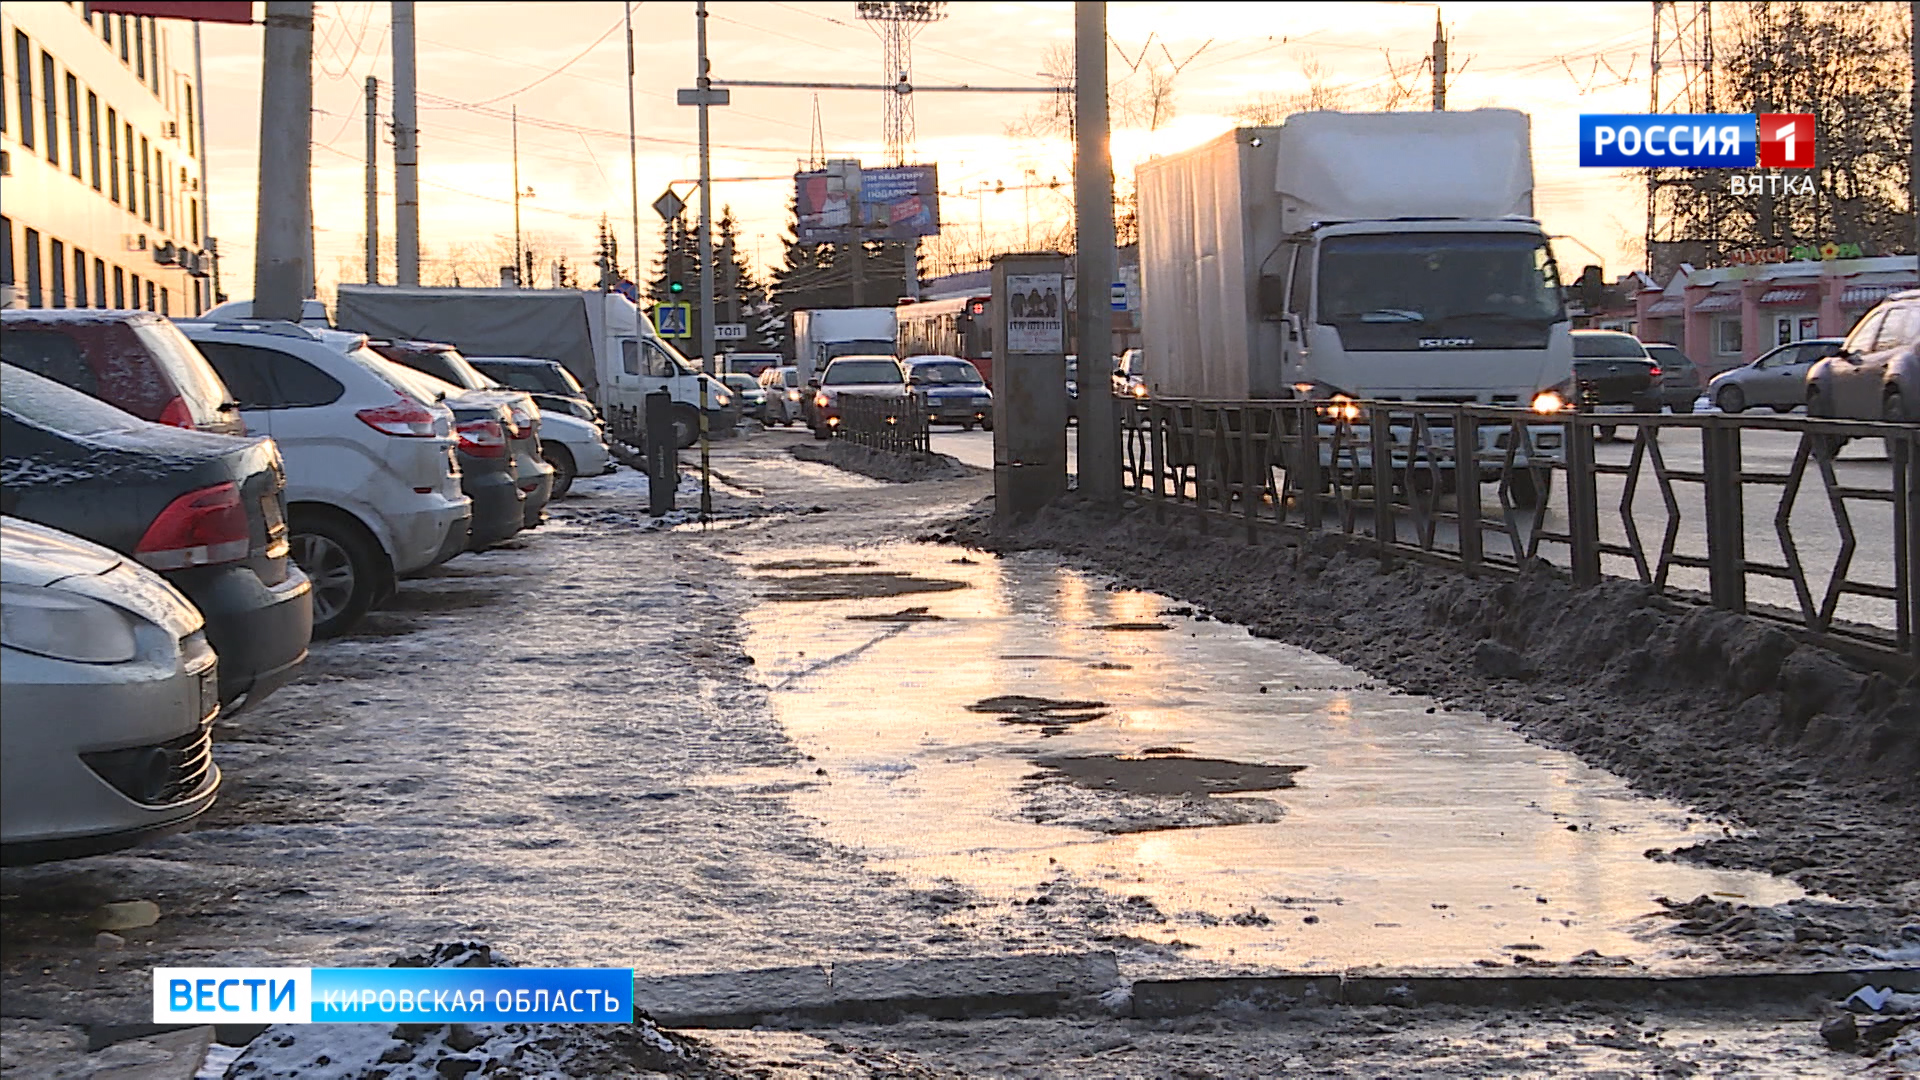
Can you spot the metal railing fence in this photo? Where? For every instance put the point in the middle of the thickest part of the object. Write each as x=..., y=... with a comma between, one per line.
x=894, y=424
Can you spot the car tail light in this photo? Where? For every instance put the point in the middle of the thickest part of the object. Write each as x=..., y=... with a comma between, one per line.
x=177, y=414
x=521, y=425
x=406, y=418
x=482, y=438
x=1656, y=371
x=199, y=528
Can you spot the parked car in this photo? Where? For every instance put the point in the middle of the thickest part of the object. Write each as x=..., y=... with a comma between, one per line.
x=786, y=398
x=746, y=390
x=373, y=488
x=1876, y=373
x=208, y=512
x=1612, y=373
x=954, y=391
x=489, y=473
x=552, y=386
x=574, y=448
x=313, y=313
x=445, y=364
x=135, y=360
x=1678, y=386
x=1130, y=378
x=1777, y=379
x=108, y=691
x=873, y=374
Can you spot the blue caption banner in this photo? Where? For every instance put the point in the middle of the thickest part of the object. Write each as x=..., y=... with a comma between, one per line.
x=392, y=995
x=1698, y=141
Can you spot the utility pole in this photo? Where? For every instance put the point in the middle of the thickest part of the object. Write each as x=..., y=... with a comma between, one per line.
x=1913, y=135
x=1099, y=451
x=373, y=181
x=1439, y=63
x=517, y=273
x=406, y=148
x=706, y=201
x=200, y=154
x=286, y=147
x=633, y=151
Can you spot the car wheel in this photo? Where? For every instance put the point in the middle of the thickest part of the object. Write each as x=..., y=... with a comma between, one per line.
x=968, y=426
x=1893, y=411
x=1784, y=409
x=1530, y=493
x=564, y=471
x=1817, y=407
x=822, y=433
x=1684, y=408
x=343, y=565
x=1604, y=432
x=1730, y=399
x=786, y=422
x=986, y=425
x=686, y=426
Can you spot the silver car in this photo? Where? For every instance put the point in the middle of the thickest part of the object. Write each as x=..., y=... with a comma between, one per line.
x=1777, y=380
x=108, y=690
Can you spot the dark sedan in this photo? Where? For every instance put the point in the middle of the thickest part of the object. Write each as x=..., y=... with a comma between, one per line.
x=553, y=387
x=208, y=512
x=954, y=391
x=1613, y=374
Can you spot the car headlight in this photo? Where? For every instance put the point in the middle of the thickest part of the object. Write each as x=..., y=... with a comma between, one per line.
x=1547, y=402
x=64, y=626
x=793, y=395
x=1138, y=390
x=820, y=400
x=721, y=400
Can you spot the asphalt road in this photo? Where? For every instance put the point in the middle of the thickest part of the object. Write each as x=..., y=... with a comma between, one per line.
x=1812, y=525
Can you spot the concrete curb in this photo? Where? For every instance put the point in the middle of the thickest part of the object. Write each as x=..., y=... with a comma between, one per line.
x=1159, y=998
x=878, y=991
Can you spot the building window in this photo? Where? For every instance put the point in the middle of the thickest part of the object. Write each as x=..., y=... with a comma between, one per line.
x=123, y=39
x=93, y=137
x=193, y=219
x=153, y=55
x=1727, y=337
x=151, y=289
x=164, y=302
x=50, y=91
x=1809, y=326
x=73, y=125
x=160, y=182
x=57, y=261
x=6, y=251
x=33, y=269
x=106, y=29
x=3, y=96
x=79, y=278
x=99, y=283
x=146, y=181
x=133, y=203
x=140, y=48
x=113, y=155
x=193, y=144
x=23, y=75
x=1783, y=331
x=119, y=288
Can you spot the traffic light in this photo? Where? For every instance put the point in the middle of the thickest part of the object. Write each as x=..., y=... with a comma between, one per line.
x=676, y=287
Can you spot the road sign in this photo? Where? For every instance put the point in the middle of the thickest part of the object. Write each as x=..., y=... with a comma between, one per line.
x=730, y=331
x=673, y=320
x=669, y=205
x=696, y=96
x=1117, y=296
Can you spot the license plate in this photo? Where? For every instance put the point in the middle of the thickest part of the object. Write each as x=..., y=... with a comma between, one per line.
x=1613, y=408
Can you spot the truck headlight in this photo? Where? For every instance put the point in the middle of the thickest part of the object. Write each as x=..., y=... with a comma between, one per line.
x=819, y=401
x=1341, y=407
x=65, y=626
x=793, y=395
x=1547, y=402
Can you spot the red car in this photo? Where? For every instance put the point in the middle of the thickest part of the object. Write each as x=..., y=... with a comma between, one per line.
x=135, y=360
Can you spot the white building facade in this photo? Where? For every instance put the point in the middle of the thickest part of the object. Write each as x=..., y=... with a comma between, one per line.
x=100, y=189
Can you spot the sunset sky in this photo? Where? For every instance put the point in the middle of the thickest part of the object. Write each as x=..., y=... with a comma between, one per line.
x=476, y=60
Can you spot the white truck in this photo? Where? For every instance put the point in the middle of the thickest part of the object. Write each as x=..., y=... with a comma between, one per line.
x=1379, y=256
x=602, y=338
x=819, y=336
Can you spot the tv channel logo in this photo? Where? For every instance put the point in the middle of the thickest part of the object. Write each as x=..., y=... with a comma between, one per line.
x=1697, y=141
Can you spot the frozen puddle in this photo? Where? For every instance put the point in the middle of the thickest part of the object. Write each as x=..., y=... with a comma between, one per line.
x=1032, y=736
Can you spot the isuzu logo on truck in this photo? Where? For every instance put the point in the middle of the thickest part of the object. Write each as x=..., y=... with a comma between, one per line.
x=1446, y=343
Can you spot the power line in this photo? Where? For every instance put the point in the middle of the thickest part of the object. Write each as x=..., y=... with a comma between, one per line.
x=562, y=68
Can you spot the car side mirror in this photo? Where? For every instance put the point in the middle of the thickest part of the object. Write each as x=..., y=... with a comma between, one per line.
x=1294, y=329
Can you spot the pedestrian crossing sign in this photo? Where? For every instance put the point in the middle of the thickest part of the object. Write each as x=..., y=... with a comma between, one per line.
x=673, y=320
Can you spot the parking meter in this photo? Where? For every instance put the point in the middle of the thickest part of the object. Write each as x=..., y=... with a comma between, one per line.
x=663, y=454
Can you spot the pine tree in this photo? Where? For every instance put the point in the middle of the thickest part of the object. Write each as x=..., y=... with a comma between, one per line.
x=608, y=258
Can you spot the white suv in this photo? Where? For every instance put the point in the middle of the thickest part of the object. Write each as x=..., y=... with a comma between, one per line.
x=373, y=489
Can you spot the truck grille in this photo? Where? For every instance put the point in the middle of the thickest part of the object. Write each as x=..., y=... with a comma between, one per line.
x=162, y=773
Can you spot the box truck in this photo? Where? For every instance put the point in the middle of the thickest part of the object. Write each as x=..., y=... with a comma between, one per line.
x=602, y=338
x=1382, y=256
x=819, y=336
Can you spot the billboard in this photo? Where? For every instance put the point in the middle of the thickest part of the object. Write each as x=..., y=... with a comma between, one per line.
x=879, y=204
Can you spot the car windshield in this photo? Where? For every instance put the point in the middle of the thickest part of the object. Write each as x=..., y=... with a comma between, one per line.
x=740, y=382
x=1607, y=346
x=191, y=374
x=1670, y=355
x=837, y=349
x=861, y=372
x=1435, y=278
x=956, y=373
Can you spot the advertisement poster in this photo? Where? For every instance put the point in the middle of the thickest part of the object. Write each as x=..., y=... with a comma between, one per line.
x=1036, y=313
x=883, y=204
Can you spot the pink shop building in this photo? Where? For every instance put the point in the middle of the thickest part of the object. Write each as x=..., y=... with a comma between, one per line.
x=1727, y=316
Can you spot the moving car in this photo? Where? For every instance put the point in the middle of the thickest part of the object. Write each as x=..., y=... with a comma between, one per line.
x=1777, y=380
x=1612, y=373
x=108, y=691
x=373, y=488
x=455, y=377
x=746, y=390
x=954, y=391
x=135, y=360
x=786, y=396
x=1876, y=373
x=872, y=374
x=1679, y=384
x=208, y=512
x=551, y=385
x=1130, y=377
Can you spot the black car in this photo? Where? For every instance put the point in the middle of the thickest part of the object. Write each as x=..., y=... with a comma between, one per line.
x=1679, y=383
x=208, y=512
x=553, y=387
x=1612, y=373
